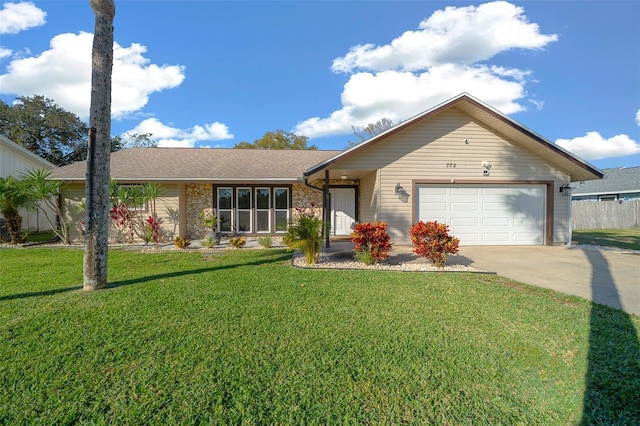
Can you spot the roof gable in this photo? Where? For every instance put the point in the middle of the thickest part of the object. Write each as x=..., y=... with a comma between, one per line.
x=492, y=119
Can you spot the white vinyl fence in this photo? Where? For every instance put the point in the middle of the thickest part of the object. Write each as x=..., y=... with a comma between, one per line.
x=589, y=214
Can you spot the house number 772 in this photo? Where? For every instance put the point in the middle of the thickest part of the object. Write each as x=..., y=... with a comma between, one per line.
x=451, y=165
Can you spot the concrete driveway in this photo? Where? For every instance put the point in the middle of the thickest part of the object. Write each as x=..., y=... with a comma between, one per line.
x=606, y=277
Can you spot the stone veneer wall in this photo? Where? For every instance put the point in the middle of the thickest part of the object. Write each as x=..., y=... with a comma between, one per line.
x=199, y=198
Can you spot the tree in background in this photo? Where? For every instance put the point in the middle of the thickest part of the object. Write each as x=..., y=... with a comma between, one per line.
x=97, y=188
x=44, y=128
x=132, y=140
x=364, y=133
x=53, y=133
x=278, y=140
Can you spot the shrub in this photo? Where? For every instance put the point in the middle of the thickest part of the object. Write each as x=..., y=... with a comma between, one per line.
x=209, y=220
x=182, y=243
x=265, y=241
x=209, y=241
x=372, y=243
x=305, y=234
x=432, y=241
x=238, y=242
x=153, y=231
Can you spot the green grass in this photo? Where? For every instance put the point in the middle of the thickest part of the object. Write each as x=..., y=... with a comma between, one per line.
x=622, y=238
x=243, y=337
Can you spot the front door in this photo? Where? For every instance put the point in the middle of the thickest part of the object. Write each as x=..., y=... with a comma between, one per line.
x=343, y=210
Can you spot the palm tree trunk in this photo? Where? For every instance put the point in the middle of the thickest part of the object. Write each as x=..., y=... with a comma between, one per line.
x=96, y=238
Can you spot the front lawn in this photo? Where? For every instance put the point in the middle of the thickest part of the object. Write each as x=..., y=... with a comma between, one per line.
x=243, y=337
x=621, y=238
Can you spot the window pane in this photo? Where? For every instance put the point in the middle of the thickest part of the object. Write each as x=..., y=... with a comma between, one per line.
x=262, y=221
x=282, y=198
x=282, y=221
x=262, y=198
x=244, y=221
x=244, y=198
x=224, y=198
x=225, y=220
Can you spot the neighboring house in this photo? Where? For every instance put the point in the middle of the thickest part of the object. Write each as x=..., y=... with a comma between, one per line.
x=618, y=184
x=16, y=160
x=493, y=181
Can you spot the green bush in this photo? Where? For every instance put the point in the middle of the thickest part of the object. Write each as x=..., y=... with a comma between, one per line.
x=265, y=241
x=209, y=241
x=305, y=234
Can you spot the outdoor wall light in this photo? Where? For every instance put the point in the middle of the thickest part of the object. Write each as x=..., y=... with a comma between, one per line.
x=399, y=189
x=343, y=177
x=565, y=190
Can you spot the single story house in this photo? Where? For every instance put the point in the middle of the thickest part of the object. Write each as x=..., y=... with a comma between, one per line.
x=618, y=184
x=493, y=181
x=16, y=160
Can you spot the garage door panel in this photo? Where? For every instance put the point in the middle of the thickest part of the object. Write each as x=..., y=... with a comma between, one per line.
x=464, y=221
x=435, y=207
x=463, y=192
x=495, y=221
x=486, y=215
x=456, y=207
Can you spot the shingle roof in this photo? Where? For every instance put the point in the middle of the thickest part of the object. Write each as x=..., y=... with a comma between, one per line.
x=202, y=164
x=615, y=181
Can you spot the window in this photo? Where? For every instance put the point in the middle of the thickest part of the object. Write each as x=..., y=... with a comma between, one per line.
x=608, y=197
x=244, y=209
x=263, y=209
x=253, y=209
x=281, y=196
x=225, y=210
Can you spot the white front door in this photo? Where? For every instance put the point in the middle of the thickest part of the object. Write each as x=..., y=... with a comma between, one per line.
x=343, y=210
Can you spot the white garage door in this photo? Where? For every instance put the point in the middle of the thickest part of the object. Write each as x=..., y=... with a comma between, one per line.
x=486, y=215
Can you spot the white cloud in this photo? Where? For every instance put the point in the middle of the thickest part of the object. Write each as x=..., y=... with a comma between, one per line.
x=173, y=137
x=16, y=17
x=593, y=146
x=455, y=35
x=4, y=52
x=400, y=95
x=422, y=68
x=63, y=73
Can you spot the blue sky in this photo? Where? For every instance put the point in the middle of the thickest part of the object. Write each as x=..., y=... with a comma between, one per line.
x=212, y=73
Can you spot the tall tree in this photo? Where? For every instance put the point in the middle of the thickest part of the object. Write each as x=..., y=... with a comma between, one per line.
x=278, y=140
x=44, y=128
x=55, y=134
x=370, y=130
x=97, y=192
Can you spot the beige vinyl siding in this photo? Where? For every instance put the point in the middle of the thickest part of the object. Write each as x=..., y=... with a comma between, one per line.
x=14, y=163
x=167, y=208
x=435, y=150
x=368, y=197
x=73, y=195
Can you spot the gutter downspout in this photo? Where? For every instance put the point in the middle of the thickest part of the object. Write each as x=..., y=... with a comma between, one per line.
x=570, y=197
x=324, y=210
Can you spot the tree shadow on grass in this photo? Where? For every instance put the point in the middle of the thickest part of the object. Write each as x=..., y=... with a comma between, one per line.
x=147, y=278
x=612, y=392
